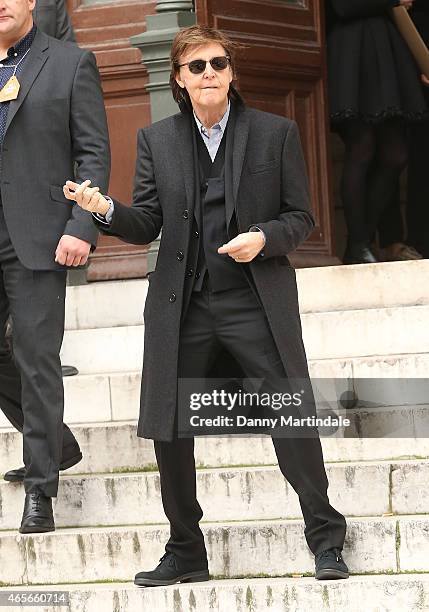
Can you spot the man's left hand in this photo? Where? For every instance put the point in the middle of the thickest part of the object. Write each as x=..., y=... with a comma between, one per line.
x=72, y=251
x=244, y=247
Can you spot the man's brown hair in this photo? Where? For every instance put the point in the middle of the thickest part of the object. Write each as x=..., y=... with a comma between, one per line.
x=193, y=36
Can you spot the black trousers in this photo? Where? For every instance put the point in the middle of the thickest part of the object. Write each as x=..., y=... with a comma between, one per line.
x=391, y=227
x=234, y=320
x=31, y=387
x=418, y=189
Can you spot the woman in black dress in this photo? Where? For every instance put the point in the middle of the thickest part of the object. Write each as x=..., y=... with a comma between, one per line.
x=375, y=91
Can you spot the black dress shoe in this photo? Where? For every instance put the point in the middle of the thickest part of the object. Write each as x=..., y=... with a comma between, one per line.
x=37, y=516
x=359, y=252
x=170, y=570
x=67, y=370
x=18, y=475
x=330, y=565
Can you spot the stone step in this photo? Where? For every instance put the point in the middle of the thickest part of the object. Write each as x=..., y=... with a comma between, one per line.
x=115, y=447
x=383, y=593
x=327, y=335
x=104, y=349
x=402, y=365
x=230, y=494
x=105, y=304
x=360, y=333
x=96, y=398
x=352, y=288
x=235, y=549
x=115, y=396
x=120, y=303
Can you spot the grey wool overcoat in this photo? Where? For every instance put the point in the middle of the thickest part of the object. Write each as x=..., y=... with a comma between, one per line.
x=266, y=183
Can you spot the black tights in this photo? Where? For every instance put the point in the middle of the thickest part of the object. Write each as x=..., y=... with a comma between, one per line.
x=375, y=157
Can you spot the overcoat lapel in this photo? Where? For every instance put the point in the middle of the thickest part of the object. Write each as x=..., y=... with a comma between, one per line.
x=184, y=149
x=234, y=157
x=240, y=143
x=37, y=56
x=229, y=150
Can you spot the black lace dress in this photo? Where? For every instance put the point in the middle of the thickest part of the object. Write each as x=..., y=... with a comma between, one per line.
x=372, y=75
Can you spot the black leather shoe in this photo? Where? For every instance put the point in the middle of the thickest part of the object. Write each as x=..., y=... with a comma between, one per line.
x=330, y=565
x=18, y=475
x=37, y=516
x=170, y=570
x=67, y=370
x=357, y=253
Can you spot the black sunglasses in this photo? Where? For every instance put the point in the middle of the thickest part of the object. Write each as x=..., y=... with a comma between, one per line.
x=198, y=66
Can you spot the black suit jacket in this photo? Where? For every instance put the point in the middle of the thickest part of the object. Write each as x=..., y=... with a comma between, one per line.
x=52, y=18
x=56, y=129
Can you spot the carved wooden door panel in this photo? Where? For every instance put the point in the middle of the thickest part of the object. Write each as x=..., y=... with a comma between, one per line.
x=283, y=71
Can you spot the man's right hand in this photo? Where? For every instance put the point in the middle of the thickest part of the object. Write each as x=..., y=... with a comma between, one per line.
x=88, y=198
x=407, y=3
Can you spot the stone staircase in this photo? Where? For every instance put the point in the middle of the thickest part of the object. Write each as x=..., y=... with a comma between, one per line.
x=358, y=322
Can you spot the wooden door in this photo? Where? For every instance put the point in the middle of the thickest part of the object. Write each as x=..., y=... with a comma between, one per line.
x=283, y=70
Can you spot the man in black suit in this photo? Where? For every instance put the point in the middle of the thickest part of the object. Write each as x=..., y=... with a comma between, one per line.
x=228, y=186
x=52, y=123
x=51, y=17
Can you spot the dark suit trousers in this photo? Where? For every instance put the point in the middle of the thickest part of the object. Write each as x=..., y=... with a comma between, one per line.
x=31, y=391
x=234, y=320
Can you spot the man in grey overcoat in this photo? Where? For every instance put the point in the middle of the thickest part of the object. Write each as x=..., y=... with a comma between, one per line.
x=227, y=184
x=52, y=125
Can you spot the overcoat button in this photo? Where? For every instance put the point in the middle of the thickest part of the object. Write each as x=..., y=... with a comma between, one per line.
x=180, y=255
x=172, y=297
x=185, y=214
x=190, y=272
x=197, y=275
x=196, y=234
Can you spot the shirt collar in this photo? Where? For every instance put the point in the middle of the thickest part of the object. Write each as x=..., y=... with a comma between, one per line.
x=220, y=124
x=22, y=45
